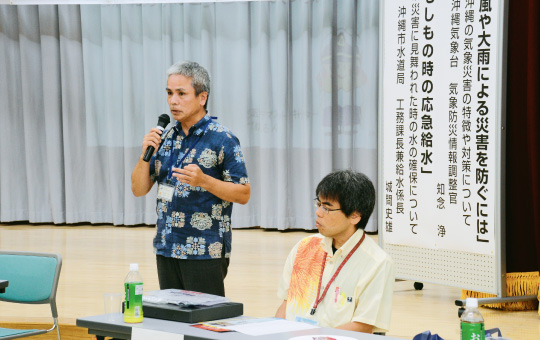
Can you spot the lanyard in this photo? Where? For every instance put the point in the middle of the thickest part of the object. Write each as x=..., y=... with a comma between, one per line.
x=179, y=163
x=318, y=300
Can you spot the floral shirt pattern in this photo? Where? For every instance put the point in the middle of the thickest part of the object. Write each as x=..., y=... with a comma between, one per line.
x=196, y=224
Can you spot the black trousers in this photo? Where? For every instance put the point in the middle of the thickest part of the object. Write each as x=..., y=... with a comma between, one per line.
x=204, y=276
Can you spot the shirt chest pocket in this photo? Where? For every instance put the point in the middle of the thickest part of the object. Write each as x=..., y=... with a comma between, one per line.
x=339, y=306
x=342, y=299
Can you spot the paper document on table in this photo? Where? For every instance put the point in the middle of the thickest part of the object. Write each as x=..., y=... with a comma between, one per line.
x=145, y=334
x=183, y=297
x=269, y=326
x=220, y=325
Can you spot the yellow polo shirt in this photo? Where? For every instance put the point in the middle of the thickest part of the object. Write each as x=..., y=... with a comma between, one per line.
x=361, y=292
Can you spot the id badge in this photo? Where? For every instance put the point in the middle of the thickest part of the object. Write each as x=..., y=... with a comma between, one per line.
x=165, y=192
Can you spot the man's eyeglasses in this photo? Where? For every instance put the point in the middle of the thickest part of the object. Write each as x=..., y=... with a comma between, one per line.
x=318, y=205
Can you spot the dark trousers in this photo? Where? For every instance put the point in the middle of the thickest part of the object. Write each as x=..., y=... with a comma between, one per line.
x=204, y=276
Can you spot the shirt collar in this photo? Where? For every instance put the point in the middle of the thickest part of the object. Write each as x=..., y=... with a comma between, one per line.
x=196, y=129
x=345, y=248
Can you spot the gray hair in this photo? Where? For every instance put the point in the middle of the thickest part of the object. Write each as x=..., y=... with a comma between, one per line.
x=200, y=79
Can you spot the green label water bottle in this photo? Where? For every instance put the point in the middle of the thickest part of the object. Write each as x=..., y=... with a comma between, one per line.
x=133, y=287
x=472, y=322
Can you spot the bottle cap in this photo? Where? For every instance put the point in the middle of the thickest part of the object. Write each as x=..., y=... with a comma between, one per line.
x=133, y=267
x=471, y=302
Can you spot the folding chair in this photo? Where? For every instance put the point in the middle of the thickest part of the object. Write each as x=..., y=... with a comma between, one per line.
x=33, y=279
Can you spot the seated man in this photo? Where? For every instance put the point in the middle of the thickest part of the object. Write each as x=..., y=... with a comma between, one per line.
x=339, y=278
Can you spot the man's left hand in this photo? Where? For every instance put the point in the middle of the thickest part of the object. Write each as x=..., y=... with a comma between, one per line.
x=191, y=174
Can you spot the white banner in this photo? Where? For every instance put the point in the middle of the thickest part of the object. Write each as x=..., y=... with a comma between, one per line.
x=441, y=114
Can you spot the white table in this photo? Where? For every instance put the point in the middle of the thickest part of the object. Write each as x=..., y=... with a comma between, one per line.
x=113, y=325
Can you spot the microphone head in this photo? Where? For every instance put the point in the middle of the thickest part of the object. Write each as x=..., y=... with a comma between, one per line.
x=164, y=120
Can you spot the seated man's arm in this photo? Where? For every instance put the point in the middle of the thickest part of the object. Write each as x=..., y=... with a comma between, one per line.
x=356, y=326
x=374, y=306
x=350, y=326
x=281, y=312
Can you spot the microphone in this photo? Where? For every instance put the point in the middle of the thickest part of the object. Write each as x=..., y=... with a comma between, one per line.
x=162, y=122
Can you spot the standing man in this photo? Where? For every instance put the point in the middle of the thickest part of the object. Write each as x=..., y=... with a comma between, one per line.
x=200, y=170
x=339, y=278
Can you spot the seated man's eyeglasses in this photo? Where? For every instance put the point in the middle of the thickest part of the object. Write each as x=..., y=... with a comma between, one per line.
x=318, y=205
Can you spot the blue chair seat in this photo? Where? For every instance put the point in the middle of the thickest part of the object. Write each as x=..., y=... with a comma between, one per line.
x=33, y=279
x=9, y=332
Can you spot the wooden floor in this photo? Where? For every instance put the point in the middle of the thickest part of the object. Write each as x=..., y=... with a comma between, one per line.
x=96, y=260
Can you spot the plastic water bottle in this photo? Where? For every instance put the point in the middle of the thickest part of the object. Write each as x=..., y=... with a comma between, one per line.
x=133, y=286
x=472, y=322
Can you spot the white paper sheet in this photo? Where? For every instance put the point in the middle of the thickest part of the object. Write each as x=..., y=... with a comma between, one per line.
x=270, y=326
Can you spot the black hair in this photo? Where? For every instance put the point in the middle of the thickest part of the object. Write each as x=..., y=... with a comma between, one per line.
x=353, y=190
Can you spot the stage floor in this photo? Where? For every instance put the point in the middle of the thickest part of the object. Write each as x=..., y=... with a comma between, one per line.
x=96, y=260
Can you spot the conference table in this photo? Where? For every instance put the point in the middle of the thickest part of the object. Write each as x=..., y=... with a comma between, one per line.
x=113, y=325
x=3, y=285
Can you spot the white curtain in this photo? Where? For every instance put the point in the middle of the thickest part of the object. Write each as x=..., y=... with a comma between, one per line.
x=80, y=85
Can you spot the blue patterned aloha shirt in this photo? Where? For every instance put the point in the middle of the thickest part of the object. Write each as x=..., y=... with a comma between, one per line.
x=196, y=225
